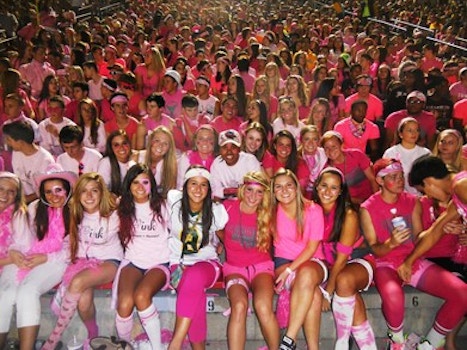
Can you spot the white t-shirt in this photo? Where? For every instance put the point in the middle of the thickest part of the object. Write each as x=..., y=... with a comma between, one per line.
x=157, y=172
x=90, y=161
x=50, y=142
x=98, y=237
x=406, y=157
x=207, y=107
x=101, y=138
x=225, y=176
x=149, y=245
x=104, y=169
x=26, y=167
x=208, y=252
x=95, y=93
x=278, y=125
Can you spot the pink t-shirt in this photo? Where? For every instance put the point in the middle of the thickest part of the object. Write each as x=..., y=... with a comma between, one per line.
x=381, y=216
x=130, y=128
x=458, y=91
x=149, y=83
x=460, y=111
x=219, y=124
x=149, y=245
x=375, y=106
x=344, y=127
x=353, y=167
x=446, y=246
x=287, y=245
x=426, y=120
x=240, y=237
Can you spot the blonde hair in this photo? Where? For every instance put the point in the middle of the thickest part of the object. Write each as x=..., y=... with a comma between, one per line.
x=157, y=62
x=456, y=165
x=300, y=203
x=290, y=101
x=263, y=237
x=305, y=130
x=107, y=205
x=169, y=170
x=267, y=92
x=274, y=82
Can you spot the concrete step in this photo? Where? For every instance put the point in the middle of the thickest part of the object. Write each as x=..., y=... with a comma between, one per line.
x=420, y=311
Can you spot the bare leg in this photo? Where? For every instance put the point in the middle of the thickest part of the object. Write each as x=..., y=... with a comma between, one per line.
x=263, y=294
x=27, y=337
x=308, y=277
x=236, y=327
x=312, y=322
x=182, y=324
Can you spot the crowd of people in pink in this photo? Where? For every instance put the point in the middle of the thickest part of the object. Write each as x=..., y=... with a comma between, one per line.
x=299, y=150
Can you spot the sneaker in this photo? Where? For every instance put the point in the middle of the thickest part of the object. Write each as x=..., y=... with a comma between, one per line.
x=287, y=343
x=392, y=345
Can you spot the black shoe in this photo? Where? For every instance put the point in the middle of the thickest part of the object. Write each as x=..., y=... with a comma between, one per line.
x=287, y=343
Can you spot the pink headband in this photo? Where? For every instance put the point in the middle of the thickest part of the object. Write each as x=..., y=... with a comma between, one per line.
x=119, y=99
x=333, y=169
x=391, y=168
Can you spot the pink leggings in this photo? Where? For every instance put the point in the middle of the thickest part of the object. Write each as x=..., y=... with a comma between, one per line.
x=191, y=296
x=434, y=281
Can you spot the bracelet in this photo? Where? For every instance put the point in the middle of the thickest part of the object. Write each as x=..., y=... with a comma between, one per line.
x=289, y=270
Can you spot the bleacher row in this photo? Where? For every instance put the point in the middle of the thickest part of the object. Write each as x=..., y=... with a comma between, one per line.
x=420, y=312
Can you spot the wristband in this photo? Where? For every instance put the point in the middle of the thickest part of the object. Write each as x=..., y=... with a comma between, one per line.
x=289, y=270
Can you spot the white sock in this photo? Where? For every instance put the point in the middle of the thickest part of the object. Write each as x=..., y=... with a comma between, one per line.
x=435, y=338
x=152, y=326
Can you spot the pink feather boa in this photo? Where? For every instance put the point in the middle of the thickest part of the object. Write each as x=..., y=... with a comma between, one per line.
x=53, y=240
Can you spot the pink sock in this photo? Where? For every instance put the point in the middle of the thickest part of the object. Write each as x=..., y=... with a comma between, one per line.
x=364, y=336
x=124, y=327
x=343, y=310
x=92, y=328
x=67, y=310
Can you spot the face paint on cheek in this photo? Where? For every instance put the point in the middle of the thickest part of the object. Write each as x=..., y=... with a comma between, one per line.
x=147, y=186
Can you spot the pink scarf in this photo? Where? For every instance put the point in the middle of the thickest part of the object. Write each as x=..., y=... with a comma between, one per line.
x=53, y=240
x=5, y=231
x=195, y=158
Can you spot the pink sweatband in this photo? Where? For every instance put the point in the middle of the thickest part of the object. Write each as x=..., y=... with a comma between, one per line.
x=344, y=249
x=391, y=168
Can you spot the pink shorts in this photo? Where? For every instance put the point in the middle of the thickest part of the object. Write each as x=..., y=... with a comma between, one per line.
x=249, y=272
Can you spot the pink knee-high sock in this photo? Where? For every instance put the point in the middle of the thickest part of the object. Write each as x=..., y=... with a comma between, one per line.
x=364, y=336
x=343, y=310
x=152, y=326
x=92, y=328
x=124, y=326
x=67, y=310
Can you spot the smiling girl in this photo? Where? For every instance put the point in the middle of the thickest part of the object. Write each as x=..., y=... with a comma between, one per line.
x=248, y=263
x=95, y=252
x=195, y=223
x=144, y=271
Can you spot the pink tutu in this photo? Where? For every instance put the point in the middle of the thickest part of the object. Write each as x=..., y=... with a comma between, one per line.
x=79, y=265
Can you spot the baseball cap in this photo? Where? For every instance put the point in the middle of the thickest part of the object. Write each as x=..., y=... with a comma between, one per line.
x=230, y=136
x=418, y=95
